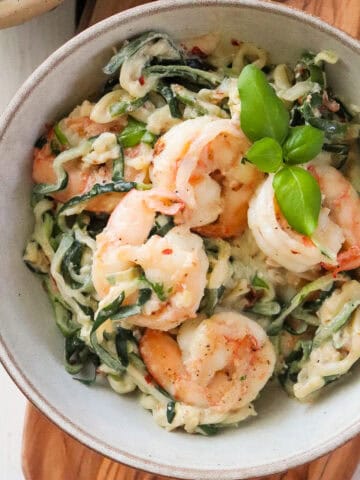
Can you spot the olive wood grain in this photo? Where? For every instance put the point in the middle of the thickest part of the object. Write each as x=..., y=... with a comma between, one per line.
x=50, y=454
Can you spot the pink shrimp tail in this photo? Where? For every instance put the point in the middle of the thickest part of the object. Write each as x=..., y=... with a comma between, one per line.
x=347, y=260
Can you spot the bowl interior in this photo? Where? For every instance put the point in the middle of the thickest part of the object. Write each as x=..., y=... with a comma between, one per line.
x=285, y=432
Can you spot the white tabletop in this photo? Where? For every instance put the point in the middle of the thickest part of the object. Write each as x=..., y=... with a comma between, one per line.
x=22, y=48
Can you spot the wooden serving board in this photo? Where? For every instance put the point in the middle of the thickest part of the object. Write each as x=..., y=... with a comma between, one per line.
x=50, y=454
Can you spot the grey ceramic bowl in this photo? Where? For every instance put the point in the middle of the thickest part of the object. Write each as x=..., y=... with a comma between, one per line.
x=285, y=433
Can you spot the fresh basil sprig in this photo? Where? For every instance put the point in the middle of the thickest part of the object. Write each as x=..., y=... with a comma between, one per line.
x=277, y=148
x=298, y=194
x=262, y=112
x=266, y=154
x=303, y=144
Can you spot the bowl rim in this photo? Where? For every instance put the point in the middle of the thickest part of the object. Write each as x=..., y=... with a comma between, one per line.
x=6, y=357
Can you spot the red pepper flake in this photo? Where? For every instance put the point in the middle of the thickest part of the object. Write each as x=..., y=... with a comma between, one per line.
x=197, y=51
x=235, y=42
x=142, y=80
x=295, y=252
x=148, y=378
x=167, y=251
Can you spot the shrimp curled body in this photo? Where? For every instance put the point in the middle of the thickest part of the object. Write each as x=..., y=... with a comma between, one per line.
x=286, y=247
x=200, y=160
x=221, y=362
x=344, y=204
x=176, y=261
x=82, y=176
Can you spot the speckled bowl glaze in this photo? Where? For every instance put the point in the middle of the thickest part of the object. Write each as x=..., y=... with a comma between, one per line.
x=285, y=433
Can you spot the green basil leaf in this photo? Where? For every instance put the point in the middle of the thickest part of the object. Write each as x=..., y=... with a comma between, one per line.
x=299, y=198
x=262, y=113
x=303, y=144
x=266, y=154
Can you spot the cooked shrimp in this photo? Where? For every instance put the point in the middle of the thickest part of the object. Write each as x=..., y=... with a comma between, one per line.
x=221, y=362
x=335, y=243
x=200, y=160
x=80, y=177
x=177, y=262
x=84, y=127
x=83, y=175
x=344, y=204
x=286, y=247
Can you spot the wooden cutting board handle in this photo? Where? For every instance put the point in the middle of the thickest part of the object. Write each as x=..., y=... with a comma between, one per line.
x=50, y=454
